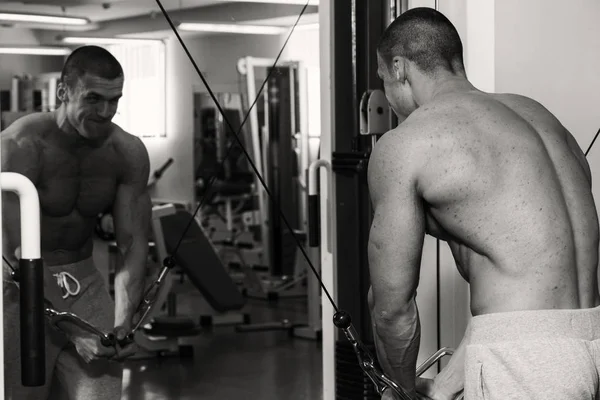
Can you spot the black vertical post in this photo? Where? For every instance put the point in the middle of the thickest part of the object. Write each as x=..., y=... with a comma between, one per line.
x=33, y=350
x=282, y=170
x=356, y=31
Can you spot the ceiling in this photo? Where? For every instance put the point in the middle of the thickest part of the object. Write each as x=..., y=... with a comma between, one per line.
x=144, y=17
x=100, y=10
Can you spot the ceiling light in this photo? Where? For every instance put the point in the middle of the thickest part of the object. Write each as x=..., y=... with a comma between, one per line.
x=35, y=50
x=43, y=19
x=232, y=28
x=104, y=40
x=298, y=2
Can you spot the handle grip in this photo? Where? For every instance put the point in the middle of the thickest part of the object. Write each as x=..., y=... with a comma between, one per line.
x=33, y=349
x=314, y=228
x=127, y=340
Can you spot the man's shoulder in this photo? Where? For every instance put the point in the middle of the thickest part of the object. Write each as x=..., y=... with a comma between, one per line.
x=133, y=152
x=128, y=144
x=24, y=135
x=28, y=128
x=412, y=145
x=411, y=136
x=22, y=144
x=398, y=150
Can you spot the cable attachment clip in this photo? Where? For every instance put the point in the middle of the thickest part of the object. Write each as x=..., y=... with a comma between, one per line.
x=150, y=296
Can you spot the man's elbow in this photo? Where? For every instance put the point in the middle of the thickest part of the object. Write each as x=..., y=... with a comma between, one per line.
x=124, y=244
x=387, y=319
x=389, y=316
x=139, y=244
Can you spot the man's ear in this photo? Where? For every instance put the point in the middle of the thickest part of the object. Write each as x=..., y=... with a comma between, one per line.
x=399, y=68
x=62, y=93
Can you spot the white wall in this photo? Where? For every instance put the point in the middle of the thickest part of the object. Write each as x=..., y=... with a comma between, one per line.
x=479, y=52
x=177, y=183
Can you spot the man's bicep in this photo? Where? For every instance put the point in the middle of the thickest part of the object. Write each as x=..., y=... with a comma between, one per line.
x=132, y=206
x=131, y=214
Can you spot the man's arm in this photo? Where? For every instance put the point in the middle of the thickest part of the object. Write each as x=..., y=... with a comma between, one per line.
x=132, y=213
x=395, y=247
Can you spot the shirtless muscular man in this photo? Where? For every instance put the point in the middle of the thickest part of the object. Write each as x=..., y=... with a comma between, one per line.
x=81, y=164
x=505, y=184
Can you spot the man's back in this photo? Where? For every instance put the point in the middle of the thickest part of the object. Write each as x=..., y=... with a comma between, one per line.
x=503, y=182
x=508, y=188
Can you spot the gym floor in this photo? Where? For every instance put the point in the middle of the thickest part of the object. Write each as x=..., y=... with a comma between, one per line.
x=231, y=365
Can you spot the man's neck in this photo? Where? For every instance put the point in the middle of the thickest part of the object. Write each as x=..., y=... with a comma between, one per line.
x=67, y=133
x=444, y=85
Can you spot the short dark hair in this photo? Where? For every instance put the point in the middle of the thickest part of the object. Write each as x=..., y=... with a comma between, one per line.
x=93, y=60
x=427, y=38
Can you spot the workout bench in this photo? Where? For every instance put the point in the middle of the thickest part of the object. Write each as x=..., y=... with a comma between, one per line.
x=197, y=257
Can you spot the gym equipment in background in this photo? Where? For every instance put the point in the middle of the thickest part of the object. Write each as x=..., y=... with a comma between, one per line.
x=197, y=259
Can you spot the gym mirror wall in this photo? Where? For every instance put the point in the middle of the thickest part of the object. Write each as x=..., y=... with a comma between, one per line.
x=241, y=303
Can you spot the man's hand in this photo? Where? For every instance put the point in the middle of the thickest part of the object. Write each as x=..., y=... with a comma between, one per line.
x=87, y=344
x=428, y=390
x=90, y=348
x=123, y=352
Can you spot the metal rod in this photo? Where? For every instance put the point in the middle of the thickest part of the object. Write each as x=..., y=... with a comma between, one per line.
x=30, y=212
x=57, y=317
x=433, y=359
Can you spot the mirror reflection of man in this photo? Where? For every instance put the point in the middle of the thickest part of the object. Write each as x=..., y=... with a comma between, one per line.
x=81, y=164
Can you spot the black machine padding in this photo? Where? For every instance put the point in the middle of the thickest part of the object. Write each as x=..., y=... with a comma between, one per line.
x=198, y=259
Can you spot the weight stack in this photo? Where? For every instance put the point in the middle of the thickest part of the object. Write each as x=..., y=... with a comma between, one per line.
x=351, y=383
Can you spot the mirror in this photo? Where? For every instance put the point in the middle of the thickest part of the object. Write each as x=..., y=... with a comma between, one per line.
x=254, y=107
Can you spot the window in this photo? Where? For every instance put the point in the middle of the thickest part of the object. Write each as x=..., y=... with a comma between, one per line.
x=142, y=108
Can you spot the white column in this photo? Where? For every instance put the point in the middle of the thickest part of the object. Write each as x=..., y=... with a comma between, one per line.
x=328, y=218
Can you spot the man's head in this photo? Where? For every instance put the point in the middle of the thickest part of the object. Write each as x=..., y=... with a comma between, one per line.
x=90, y=87
x=420, y=47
